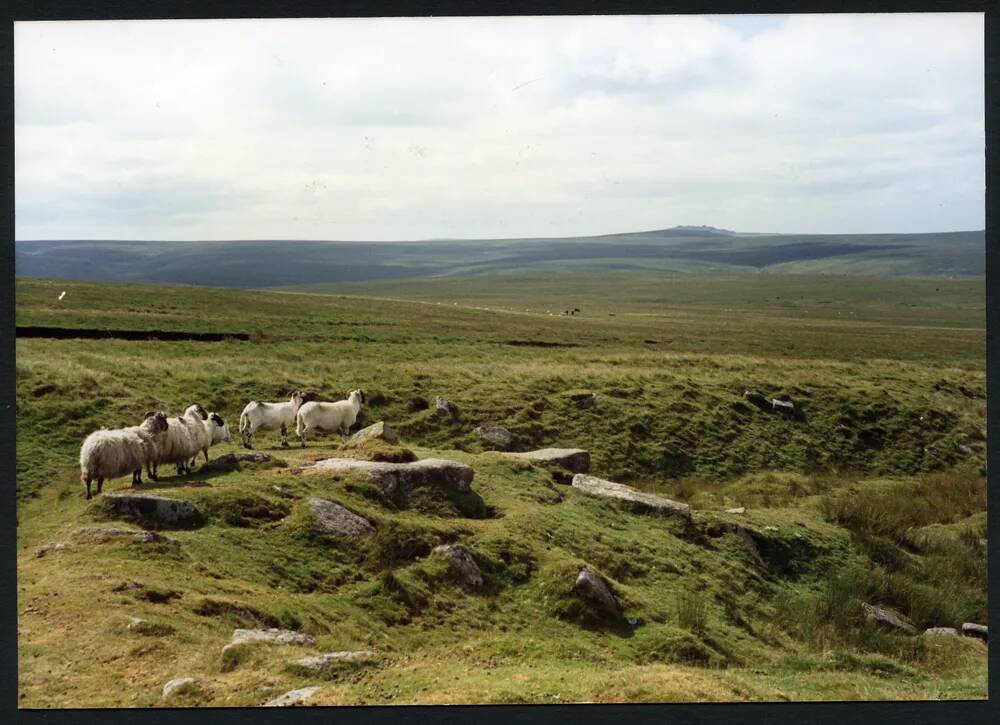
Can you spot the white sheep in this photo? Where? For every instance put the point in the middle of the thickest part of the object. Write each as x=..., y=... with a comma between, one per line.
x=269, y=416
x=111, y=453
x=216, y=431
x=185, y=437
x=329, y=416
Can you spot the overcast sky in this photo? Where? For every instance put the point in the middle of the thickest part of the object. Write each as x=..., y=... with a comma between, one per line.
x=498, y=127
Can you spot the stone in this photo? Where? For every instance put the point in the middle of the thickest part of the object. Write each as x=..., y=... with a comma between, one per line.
x=785, y=407
x=51, y=546
x=376, y=431
x=147, y=628
x=104, y=534
x=738, y=510
x=330, y=517
x=292, y=698
x=179, y=685
x=231, y=462
x=159, y=509
x=575, y=460
x=969, y=629
x=941, y=632
x=393, y=477
x=592, y=588
x=323, y=662
x=275, y=636
x=462, y=565
x=443, y=406
x=887, y=618
x=648, y=501
x=499, y=437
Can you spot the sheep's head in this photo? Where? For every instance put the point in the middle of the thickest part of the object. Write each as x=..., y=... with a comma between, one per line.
x=220, y=431
x=198, y=410
x=360, y=394
x=155, y=421
x=296, y=397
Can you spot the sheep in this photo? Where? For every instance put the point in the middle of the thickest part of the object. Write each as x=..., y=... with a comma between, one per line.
x=329, y=416
x=185, y=437
x=269, y=416
x=111, y=453
x=216, y=431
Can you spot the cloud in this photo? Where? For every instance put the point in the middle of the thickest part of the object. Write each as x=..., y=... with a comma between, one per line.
x=450, y=127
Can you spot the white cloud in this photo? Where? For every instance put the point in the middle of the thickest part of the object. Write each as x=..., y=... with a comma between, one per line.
x=416, y=128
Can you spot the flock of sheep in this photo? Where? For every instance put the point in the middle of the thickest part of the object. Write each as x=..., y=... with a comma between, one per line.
x=109, y=453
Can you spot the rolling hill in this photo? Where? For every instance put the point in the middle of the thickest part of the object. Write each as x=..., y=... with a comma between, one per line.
x=678, y=250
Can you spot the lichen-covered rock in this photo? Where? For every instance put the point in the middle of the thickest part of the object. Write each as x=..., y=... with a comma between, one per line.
x=102, y=534
x=592, y=588
x=393, y=477
x=462, y=565
x=292, y=698
x=244, y=639
x=179, y=685
x=499, y=437
x=376, y=431
x=323, y=662
x=158, y=509
x=941, y=632
x=648, y=501
x=331, y=518
x=887, y=618
x=979, y=631
x=51, y=546
x=231, y=462
x=574, y=460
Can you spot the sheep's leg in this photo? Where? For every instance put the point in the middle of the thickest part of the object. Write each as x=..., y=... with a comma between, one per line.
x=86, y=480
x=205, y=451
x=150, y=471
x=248, y=438
x=302, y=436
x=284, y=435
x=100, y=485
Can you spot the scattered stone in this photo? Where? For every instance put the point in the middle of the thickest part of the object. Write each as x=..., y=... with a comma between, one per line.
x=500, y=437
x=231, y=462
x=276, y=636
x=179, y=685
x=128, y=587
x=293, y=698
x=599, y=487
x=330, y=517
x=463, y=566
x=147, y=628
x=159, y=509
x=738, y=510
x=770, y=528
x=321, y=663
x=970, y=629
x=785, y=407
x=443, y=406
x=941, y=632
x=575, y=460
x=393, y=477
x=104, y=534
x=376, y=431
x=888, y=618
x=592, y=588
x=51, y=546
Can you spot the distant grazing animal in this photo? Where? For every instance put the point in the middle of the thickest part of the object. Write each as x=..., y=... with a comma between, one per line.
x=329, y=416
x=185, y=437
x=269, y=416
x=216, y=431
x=111, y=453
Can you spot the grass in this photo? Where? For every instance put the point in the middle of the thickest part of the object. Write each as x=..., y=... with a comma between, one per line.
x=846, y=504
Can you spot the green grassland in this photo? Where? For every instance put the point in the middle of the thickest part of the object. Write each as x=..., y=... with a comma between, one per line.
x=875, y=493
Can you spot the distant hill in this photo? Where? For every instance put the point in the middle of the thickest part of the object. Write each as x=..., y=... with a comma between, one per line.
x=682, y=249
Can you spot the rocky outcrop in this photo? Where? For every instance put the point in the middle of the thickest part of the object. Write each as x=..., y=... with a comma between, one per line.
x=592, y=588
x=443, y=406
x=292, y=698
x=103, y=534
x=179, y=685
x=639, y=499
x=969, y=629
x=403, y=477
x=463, y=567
x=156, y=509
x=331, y=518
x=244, y=639
x=376, y=431
x=322, y=663
x=574, y=460
x=887, y=618
x=941, y=632
x=231, y=462
x=51, y=546
x=499, y=437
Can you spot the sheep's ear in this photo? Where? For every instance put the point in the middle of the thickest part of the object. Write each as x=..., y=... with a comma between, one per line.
x=217, y=419
x=201, y=411
x=150, y=414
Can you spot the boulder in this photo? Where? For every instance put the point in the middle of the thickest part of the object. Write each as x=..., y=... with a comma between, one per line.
x=51, y=546
x=295, y=697
x=499, y=437
x=443, y=406
x=575, y=460
x=463, y=566
x=102, y=534
x=321, y=663
x=274, y=636
x=376, y=431
x=648, y=501
x=941, y=632
x=887, y=618
x=737, y=510
x=978, y=631
x=785, y=407
x=330, y=517
x=393, y=477
x=592, y=588
x=179, y=685
x=158, y=509
x=231, y=462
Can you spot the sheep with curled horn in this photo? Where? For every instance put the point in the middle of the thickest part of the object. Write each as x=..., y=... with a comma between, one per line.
x=109, y=453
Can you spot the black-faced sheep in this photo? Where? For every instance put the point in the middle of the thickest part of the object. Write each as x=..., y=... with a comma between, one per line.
x=111, y=453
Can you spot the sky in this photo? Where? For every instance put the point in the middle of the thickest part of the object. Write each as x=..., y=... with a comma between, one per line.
x=427, y=128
